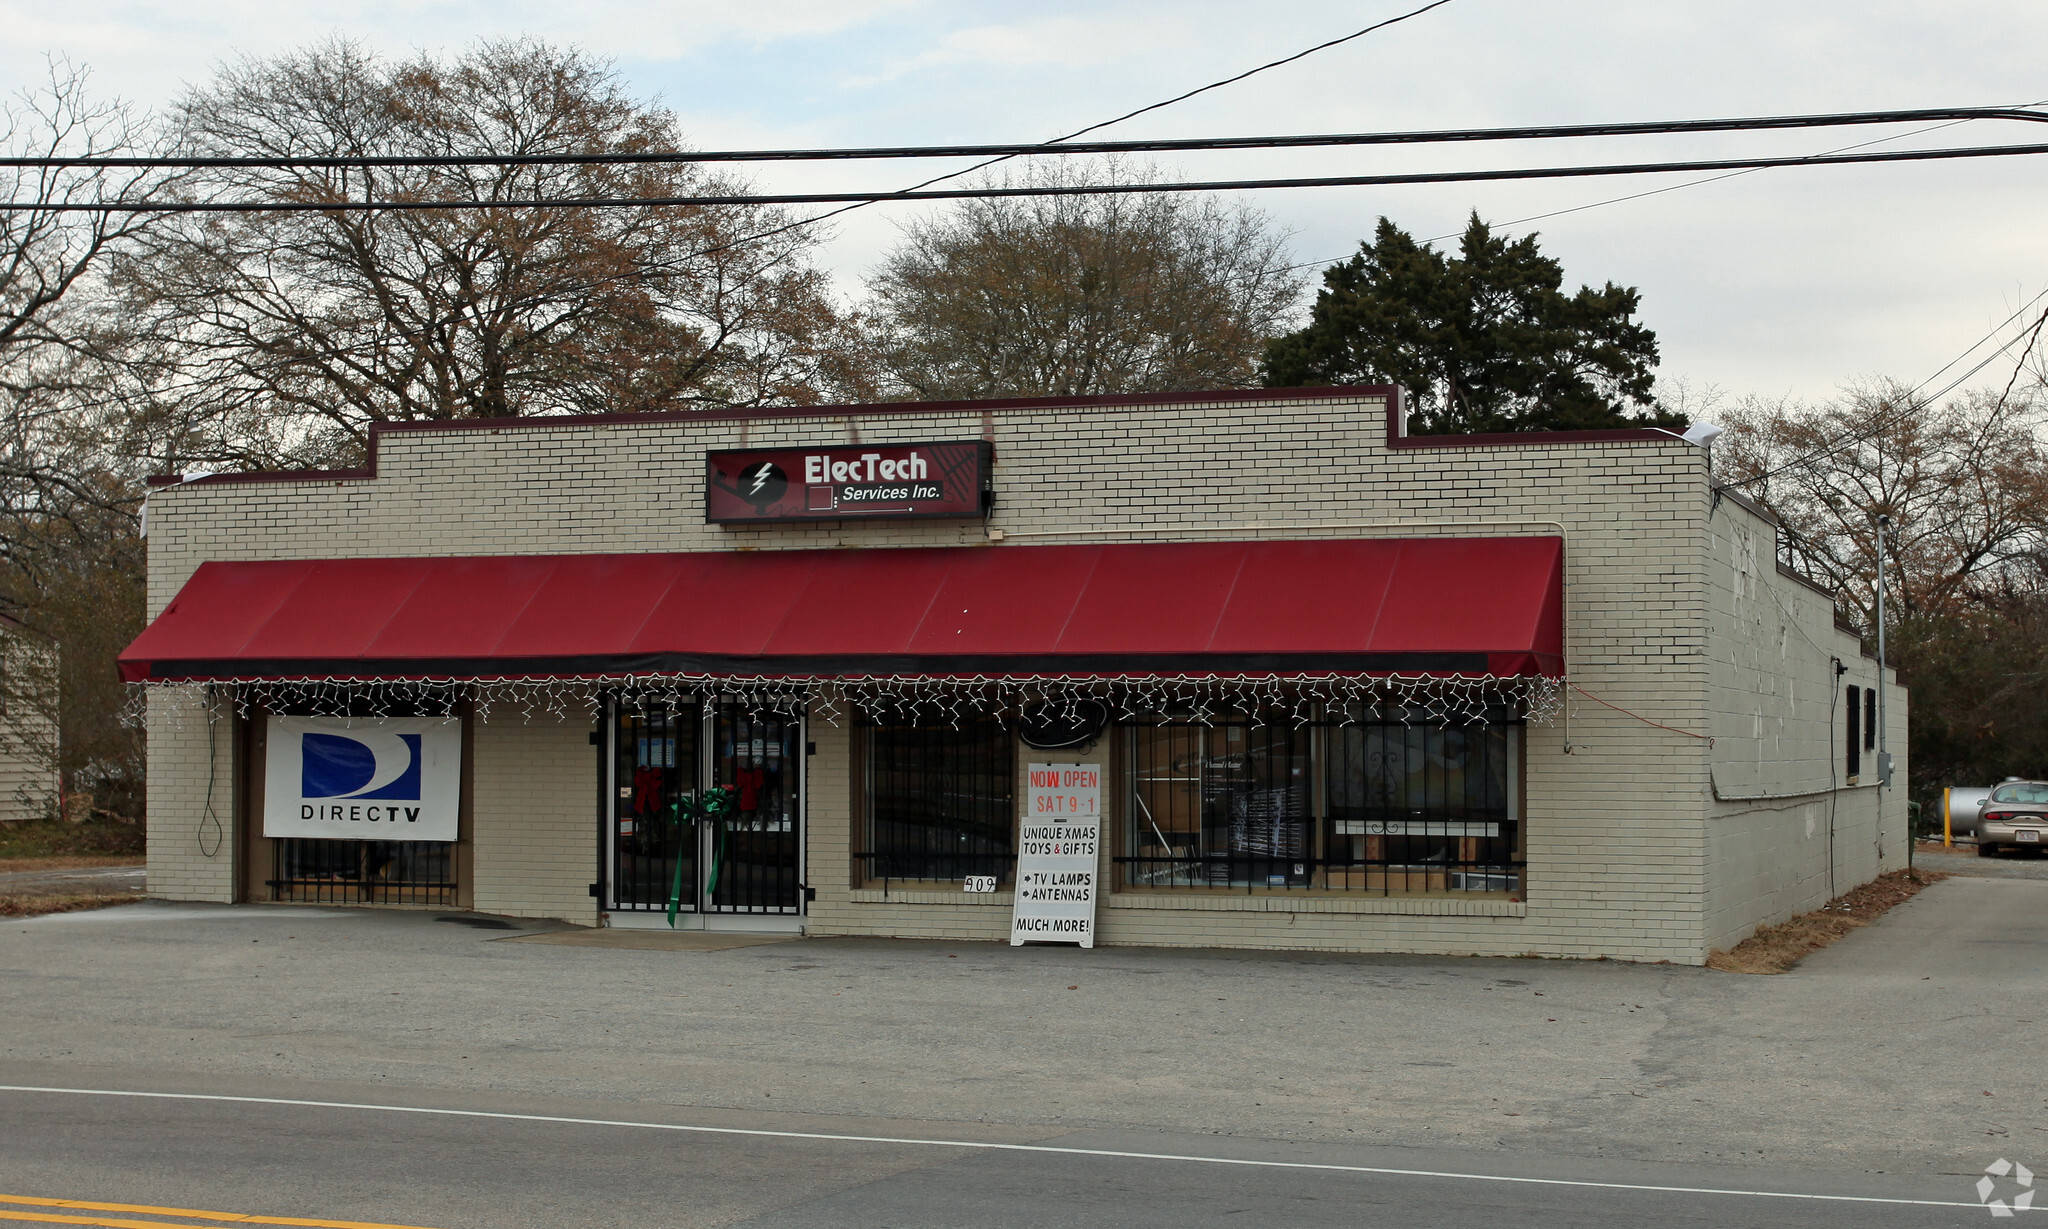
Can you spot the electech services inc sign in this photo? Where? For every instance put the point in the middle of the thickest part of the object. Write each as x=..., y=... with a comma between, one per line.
x=363, y=779
x=885, y=481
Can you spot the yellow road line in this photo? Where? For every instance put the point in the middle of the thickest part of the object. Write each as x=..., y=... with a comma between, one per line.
x=233, y=1218
x=52, y=1218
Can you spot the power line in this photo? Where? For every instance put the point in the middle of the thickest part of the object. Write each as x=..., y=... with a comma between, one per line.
x=866, y=198
x=1988, y=359
x=1064, y=146
x=800, y=223
x=1912, y=401
x=1679, y=187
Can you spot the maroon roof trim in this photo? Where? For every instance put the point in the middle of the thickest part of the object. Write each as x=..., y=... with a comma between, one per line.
x=1393, y=396
x=1397, y=438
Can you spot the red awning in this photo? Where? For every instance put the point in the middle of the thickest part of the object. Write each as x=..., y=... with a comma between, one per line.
x=1472, y=606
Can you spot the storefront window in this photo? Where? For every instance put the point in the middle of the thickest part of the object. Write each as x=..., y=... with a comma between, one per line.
x=1421, y=808
x=315, y=871
x=1325, y=806
x=1220, y=806
x=940, y=801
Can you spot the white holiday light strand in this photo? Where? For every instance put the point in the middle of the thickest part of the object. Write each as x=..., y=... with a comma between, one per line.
x=1299, y=698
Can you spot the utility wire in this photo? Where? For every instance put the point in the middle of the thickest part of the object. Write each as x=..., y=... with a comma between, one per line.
x=1912, y=401
x=1760, y=123
x=800, y=223
x=1679, y=187
x=1972, y=348
x=867, y=198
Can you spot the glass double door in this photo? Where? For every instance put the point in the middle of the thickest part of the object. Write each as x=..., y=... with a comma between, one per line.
x=666, y=845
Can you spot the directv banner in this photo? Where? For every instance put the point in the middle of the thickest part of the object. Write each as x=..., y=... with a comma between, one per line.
x=363, y=779
x=877, y=481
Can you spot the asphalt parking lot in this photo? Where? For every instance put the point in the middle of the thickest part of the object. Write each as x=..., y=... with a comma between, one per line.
x=1963, y=860
x=1863, y=1059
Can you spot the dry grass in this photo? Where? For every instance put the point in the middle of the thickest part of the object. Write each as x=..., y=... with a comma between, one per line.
x=1774, y=949
x=53, y=838
x=9, y=866
x=35, y=904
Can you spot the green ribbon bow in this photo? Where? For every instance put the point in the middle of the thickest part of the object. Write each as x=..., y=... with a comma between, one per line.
x=712, y=804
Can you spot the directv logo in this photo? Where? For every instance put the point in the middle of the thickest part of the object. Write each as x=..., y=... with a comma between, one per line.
x=365, y=766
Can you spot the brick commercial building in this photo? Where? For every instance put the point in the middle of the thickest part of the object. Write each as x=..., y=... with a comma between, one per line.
x=1312, y=683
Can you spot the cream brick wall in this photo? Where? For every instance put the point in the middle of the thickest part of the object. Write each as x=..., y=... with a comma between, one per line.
x=533, y=819
x=1786, y=831
x=1618, y=828
x=193, y=853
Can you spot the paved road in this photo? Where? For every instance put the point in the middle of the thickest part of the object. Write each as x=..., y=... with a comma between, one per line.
x=76, y=879
x=1861, y=1071
x=1963, y=860
x=518, y=1165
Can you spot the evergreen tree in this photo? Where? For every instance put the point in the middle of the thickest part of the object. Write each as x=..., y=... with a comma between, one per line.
x=1484, y=341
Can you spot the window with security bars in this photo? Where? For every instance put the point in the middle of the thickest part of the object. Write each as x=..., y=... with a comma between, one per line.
x=310, y=870
x=1422, y=808
x=940, y=801
x=1363, y=806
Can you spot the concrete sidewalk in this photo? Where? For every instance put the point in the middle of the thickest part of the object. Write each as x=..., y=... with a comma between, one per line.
x=1869, y=1057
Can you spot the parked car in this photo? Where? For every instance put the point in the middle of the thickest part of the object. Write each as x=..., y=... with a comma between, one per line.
x=2015, y=815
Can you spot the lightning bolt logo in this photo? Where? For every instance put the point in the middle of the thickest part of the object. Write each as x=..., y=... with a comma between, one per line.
x=761, y=483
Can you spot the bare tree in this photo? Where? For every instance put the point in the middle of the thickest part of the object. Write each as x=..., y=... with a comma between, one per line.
x=1080, y=295
x=44, y=251
x=70, y=560
x=282, y=336
x=1965, y=484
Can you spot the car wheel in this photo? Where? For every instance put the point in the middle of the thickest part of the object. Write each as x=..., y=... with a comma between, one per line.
x=1986, y=850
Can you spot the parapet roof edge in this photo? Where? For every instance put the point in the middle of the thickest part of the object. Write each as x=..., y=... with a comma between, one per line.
x=1396, y=436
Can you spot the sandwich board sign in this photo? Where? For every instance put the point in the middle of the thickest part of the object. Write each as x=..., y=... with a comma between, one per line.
x=1058, y=847
x=363, y=779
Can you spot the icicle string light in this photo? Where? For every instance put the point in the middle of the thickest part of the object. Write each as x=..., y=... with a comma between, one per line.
x=1418, y=699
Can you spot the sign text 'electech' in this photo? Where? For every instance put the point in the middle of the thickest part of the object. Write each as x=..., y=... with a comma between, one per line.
x=945, y=478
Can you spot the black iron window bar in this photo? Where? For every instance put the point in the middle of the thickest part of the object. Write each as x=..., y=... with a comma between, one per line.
x=924, y=864
x=310, y=870
x=1377, y=806
x=1383, y=876
x=940, y=801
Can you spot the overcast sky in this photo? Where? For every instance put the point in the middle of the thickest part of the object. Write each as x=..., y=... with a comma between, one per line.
x=1778, y=282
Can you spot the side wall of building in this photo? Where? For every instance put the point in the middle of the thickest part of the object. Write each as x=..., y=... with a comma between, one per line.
x=1615, y=823
x=1787, y=829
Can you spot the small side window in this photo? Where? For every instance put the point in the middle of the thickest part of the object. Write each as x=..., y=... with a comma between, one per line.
x=1870, y=719
x=1853, y=761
